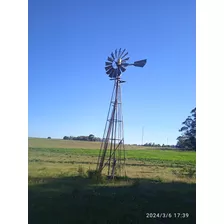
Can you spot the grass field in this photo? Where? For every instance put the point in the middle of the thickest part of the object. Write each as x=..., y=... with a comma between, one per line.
x=59, y=143
x=159, y=181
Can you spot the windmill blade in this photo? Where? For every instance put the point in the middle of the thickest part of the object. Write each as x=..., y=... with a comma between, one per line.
x=110, y=59
x=112, y=74
x=122, y=53
x=112, y=54
x=116, y=53
x=125, y=55
x=122, y=69
x=119, y=52
x=126, y=59
x=118, y=72
x=110, y=71
x=108, y=63
x=140, y=63
x=108, y=67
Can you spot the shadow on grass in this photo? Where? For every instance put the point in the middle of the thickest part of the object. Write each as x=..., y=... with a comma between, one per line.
x=79, y=200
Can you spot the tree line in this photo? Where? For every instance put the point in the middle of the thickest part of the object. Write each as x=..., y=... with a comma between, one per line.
x=158, y=145
x=186, y=141
x=90, y=137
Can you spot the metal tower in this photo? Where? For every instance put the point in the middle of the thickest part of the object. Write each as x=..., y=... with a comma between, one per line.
x=112, y=151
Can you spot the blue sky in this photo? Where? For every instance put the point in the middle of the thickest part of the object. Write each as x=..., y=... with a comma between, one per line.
x=69, y=42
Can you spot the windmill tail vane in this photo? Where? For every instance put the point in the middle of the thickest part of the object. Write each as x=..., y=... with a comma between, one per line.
x=111, y=157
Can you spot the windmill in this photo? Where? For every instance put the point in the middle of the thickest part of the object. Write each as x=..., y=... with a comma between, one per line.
x=112, y=152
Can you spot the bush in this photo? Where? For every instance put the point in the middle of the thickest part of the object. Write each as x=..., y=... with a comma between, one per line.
x=185, y=172
x=96, y=176
x=190, y=172
x=81, y=171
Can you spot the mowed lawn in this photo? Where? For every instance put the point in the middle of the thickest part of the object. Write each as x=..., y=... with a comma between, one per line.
x=159, y=181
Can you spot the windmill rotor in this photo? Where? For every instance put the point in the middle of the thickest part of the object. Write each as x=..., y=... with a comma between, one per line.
x=118, y=61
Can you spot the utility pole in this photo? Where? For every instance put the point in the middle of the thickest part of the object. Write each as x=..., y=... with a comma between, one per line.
x=142, y=134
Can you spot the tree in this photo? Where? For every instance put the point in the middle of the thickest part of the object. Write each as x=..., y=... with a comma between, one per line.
x=48, y=137
x=66, y=138
x=97, y=139
x=91, y=137
x=187, y=140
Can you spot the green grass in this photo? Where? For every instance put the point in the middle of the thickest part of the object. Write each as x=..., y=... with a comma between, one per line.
x=156, y=156
x=159, y=181
x=59, y=143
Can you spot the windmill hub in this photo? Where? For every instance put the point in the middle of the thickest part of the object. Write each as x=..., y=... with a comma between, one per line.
x=119, y=61
x=114, y=64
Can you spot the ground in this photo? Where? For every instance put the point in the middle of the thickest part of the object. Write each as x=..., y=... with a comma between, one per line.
x=158, y=182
